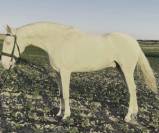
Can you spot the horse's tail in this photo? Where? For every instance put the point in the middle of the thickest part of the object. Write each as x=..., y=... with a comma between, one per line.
x=147, y=72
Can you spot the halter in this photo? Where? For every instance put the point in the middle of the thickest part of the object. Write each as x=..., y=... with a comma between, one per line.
x=19, y=59
x=10, y=55
x=13, y=50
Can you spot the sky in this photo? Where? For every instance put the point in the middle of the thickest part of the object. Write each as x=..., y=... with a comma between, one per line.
x=139, y=18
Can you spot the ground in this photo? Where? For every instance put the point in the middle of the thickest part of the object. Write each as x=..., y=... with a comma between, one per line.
x=99, y=100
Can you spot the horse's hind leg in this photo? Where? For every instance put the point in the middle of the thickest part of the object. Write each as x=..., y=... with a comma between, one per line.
x=133, y=106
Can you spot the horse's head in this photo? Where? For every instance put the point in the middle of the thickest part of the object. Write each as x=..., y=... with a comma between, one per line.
x=10, y=49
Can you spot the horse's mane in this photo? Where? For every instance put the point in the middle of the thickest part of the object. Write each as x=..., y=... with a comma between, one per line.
x=47, y=23
x=35, y=27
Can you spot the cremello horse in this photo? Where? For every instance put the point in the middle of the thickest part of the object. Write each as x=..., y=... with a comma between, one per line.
x=70, y=51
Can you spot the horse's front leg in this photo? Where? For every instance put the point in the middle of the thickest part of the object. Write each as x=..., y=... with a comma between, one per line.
x=65, y=80
x=60, y=92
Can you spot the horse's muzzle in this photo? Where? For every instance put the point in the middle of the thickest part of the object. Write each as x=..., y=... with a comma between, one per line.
x=8, y=65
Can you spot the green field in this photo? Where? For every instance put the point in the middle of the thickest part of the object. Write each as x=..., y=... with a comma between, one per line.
x=99, y=100
x=151, y=50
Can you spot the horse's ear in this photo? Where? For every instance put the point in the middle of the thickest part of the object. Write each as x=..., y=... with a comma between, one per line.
x=10, y=30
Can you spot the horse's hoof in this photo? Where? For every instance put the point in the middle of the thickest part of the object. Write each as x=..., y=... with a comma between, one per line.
x=131, y=119
x=65, y=117
x=133, y=122
x=59, y=113
x=127, y=119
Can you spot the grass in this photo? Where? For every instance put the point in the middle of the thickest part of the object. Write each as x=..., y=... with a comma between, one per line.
x=151, y=50
x=99, y=100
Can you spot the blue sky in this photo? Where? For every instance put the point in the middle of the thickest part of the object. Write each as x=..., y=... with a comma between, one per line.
x=139, y=18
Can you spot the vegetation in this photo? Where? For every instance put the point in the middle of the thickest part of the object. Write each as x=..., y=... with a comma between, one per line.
x=99, y=100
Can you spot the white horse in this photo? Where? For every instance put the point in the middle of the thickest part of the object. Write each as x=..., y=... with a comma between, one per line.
x=70, y=51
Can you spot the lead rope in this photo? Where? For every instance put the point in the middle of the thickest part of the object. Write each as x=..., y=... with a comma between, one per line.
x=8, y=72
x=15, y=45
x=3, y=123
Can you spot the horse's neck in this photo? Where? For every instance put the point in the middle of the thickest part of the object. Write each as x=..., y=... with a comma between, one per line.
x=26, y=39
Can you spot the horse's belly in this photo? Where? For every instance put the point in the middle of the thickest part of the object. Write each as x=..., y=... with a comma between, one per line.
x=85, y=64
x=88, y=67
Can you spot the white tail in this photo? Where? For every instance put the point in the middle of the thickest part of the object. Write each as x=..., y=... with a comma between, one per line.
x=147, y=72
